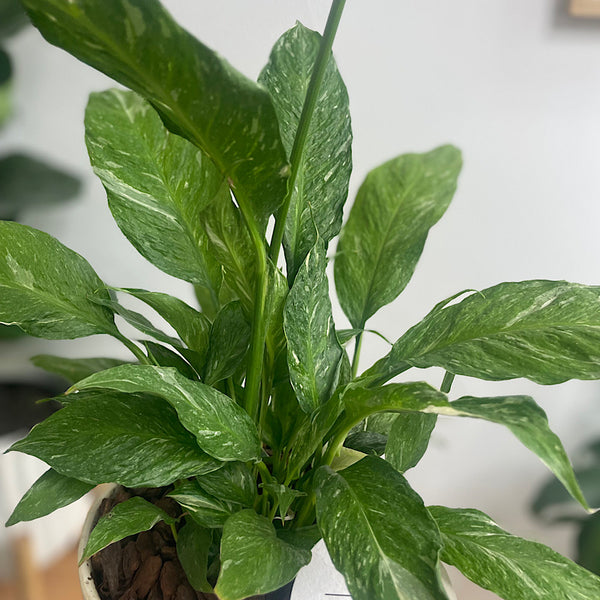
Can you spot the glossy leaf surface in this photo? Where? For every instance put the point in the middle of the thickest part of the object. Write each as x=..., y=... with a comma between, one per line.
x=233, y=482
x=383, y=239
x=253, y=559
x=50, y=492
x=546, y=331
x=157, y=184
x=507, y=565
x=204, y=509
x=378, y=532
x=126, y=518
x=45, y=287
x=314, y=353
x=231, y=245
x=161, y=356
x=321, y=186
x=120, y=438
x=199, y=95
x=192, y=326
x=74, y=369
x=193, y=544
x=222, y=428
x=408, y=439
x=229, y=342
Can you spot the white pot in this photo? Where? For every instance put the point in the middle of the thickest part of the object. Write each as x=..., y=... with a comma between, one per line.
x=88, y=587
x=317, y=581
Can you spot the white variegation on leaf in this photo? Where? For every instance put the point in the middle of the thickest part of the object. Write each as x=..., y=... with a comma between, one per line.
x=546, y=331
x=222, y=428
x=513, y=568
x=45, y=288
x=129, y=439
x=253, y=559
x=321, y=185
x=389, y=222
x=378, y=533
x=314, y=353
x=198, y=94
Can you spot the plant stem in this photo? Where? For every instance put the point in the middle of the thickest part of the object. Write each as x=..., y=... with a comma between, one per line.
x=447, y=383
x=133, y=349
x=357, y=347
x=257, y=345
x=305, y=118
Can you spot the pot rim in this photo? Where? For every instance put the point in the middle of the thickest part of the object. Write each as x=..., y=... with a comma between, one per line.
x=86, y=580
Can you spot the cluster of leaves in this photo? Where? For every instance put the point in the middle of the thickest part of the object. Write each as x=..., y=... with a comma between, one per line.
x=253, y=412
x=25, y=181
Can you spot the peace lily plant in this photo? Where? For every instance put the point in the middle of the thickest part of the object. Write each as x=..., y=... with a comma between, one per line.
x=253, y=417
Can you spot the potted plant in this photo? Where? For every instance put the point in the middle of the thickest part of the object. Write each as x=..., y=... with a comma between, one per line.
x=250, y=435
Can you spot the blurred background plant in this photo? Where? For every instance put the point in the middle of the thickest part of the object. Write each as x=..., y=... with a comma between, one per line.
x=26, y=182
x=553, y=505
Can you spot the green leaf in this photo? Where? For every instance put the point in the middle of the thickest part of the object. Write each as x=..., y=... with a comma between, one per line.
x=161, y=356
x=321, y=186
x=507, y=565
x=229, y=342
x=193, y=545
x=253, y=559
x=74, y=369
x=525, y=419
x=204, y=509
x=302, y=537
x=382, y=241
x=230, y=243
x=367, y=442
x=199, y=95
x=45, y=288
x=378, y=533
x=137, y=320
x=192, y=326
x=588, y=544
x=408, y=439
x=546, y=331
x=127, y=518
x=222, y=428
x=27, y=182
x=231, y=483
x=309, y=433
x=284, y=495
x=157, y=184
x=49, y=493
x=314, y=353
x=129, y=439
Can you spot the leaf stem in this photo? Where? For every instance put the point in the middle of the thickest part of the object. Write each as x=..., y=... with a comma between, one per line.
x=259, y=329
x=308, y=108
x=133, y=349
x=357, y=347
x=447, y=382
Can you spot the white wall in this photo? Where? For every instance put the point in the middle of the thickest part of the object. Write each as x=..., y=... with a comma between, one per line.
x=515, y=84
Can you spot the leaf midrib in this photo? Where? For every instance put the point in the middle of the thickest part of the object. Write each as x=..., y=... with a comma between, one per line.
x=384, y=557
x=160, y=170
x=495, y=334
x=63, y=305
x=388, y=227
